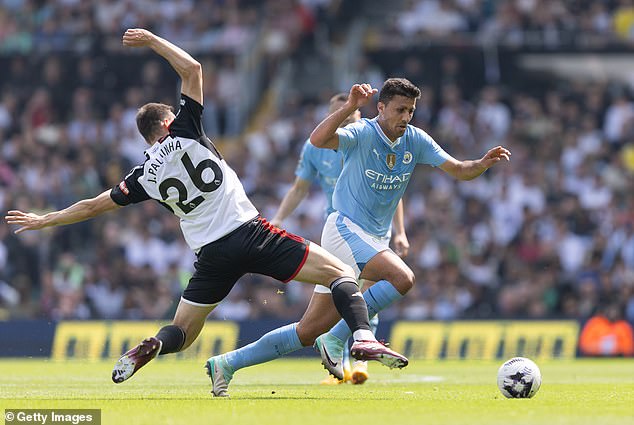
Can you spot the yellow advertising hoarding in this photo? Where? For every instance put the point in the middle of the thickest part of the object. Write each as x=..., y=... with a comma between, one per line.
x=486, y=340
x=108, y=340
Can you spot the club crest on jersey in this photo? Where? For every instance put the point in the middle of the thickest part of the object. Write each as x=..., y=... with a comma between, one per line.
x=407, y=158
x=390, y=160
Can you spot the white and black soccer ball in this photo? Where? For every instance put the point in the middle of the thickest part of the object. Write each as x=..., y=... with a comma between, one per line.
x=519, y=377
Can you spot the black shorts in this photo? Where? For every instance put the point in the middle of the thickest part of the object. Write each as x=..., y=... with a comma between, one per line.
x=255, y=247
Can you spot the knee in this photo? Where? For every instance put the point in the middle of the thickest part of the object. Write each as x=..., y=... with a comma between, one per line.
x=346, y=270
x=336, y=269
x=337, y=272
x=405, y=281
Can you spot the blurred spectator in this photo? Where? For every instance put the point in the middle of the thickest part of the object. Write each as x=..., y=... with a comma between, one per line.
x=432, y=18
x=618, y=115
x=106, y=296
x=624, y=19
x=493, y=118
x=607, y=334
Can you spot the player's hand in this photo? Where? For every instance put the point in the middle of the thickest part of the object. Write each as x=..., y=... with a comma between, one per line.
x=275, y=222
x=360, y=95
x=401, y=244
x=28, y=221
x=495, y=155
x=137, y=37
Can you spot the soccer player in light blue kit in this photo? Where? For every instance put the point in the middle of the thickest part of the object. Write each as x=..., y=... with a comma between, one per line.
x=380, y=155
x=324, y=166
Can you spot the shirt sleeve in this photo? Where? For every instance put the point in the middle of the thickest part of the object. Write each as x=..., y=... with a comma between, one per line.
x=349, y=135
x=130, y=191
x=429, y=152
x=305, y=168
x=188, y=121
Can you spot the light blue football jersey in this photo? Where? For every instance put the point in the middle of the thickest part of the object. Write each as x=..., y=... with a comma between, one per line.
x=376, y=171
x=323, y=165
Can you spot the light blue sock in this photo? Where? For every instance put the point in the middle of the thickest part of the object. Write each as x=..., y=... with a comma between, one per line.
x=377, y=297
x=270, y=346
x=346, y=355
x=374, y=323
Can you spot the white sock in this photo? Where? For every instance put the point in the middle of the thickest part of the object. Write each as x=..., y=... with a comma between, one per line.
x=363, y=335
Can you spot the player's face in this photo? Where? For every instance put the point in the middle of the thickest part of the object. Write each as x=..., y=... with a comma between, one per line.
x=395, y=115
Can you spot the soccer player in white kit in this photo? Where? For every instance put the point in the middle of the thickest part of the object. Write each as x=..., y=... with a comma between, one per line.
x=186, y=174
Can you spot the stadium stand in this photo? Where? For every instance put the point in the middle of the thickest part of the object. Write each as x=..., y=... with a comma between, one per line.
x=549, y=236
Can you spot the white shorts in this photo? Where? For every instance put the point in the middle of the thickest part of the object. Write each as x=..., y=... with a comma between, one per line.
x=351, y=244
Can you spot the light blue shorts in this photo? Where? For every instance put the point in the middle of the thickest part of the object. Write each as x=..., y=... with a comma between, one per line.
x=351, y=244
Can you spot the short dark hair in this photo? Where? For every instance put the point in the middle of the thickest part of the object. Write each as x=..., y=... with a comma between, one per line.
x=398, y=87
x=149, y=117
x=339, y=97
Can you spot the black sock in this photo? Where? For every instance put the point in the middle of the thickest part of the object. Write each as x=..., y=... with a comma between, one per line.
x=352, y=309
x=172, y=337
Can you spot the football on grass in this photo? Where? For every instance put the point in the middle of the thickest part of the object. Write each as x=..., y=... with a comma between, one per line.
x=519, y=377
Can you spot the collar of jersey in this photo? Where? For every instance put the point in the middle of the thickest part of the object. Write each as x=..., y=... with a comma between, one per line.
x=162, y=139
x=382, y=135
x=156, y=145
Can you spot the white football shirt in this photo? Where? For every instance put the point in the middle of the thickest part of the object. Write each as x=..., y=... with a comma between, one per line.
x=186, y=174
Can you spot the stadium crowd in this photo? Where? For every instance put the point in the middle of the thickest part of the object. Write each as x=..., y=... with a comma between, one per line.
x=522, y=23
x=550, y=235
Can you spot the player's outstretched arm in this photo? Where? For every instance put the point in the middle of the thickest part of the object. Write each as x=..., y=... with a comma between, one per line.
x=325, y=134
x=79, y=211
x=469, y=170
x=399, y=237
x=292, y=199
x=188, y=68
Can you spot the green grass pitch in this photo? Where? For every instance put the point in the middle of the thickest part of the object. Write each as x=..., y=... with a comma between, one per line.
x=288, y=392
